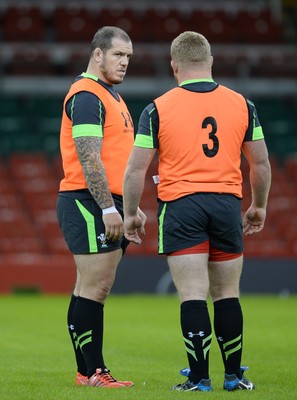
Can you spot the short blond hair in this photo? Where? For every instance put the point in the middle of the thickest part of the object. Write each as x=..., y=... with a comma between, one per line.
x=190, y=48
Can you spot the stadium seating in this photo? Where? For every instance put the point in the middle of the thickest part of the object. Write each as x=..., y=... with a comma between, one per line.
x=218, y=26
x=73, y=24
x=30, y=60
x=23, y=23
x=258, y=26
x=51, y=39
x=76, y=22
x=32, y=181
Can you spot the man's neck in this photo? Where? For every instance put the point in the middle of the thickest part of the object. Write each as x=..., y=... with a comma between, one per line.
x=193, y=75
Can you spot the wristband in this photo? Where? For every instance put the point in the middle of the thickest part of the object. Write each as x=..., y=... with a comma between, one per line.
x=156, y=179
x=109, y=210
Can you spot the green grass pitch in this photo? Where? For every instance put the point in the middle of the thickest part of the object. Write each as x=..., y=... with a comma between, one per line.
x=142, y=343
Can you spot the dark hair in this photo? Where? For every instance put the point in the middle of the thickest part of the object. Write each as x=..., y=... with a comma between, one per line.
x=103, y=37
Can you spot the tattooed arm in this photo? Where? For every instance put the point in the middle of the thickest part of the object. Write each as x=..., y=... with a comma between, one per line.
x=89, y=149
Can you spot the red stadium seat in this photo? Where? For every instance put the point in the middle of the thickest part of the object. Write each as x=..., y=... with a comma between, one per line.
x=23, y=23
x=10, y=245
x=258, y=26
x=163, y=23
x=8, y=200
x=40, y=202
x=291, y=169
x=274, y=64
x=30, y=60
x=57, y=168
x=125, y=18
x=228, y=63
x=217, y=25
x=74, y=23
x=15, y=222
x=47, y=225
x=142, y=64
x=56, y=245
x=77, y=62
x=25, y=166
x=7, y=186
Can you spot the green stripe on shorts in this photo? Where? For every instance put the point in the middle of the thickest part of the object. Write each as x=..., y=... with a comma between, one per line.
x=161, y=221
x=90, y=221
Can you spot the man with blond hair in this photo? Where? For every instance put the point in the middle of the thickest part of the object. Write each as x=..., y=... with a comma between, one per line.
x=199, y=130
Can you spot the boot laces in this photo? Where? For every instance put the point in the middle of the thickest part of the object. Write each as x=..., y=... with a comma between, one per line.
x=106, y=377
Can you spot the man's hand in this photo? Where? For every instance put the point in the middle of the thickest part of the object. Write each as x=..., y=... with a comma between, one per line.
x=253, y=220
x=143, y=218
x=131, y=226
x=114, y=228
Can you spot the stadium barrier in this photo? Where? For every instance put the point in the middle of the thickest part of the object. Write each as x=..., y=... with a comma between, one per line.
x=136, y=274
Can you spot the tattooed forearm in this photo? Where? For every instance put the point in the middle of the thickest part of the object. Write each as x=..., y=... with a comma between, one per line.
x=88, y=150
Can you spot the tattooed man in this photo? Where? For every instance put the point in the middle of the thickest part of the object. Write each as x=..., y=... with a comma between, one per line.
x=96, y=139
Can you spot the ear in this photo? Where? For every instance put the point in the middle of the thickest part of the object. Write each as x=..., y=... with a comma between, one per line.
x=211, y=61
x=97, y=54
x=174, y=66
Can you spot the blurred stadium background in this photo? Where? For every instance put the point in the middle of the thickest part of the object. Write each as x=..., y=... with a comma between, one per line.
x=44, y=44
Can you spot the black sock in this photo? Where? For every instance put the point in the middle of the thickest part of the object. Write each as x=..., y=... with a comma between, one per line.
x=228, y=325
x=196, y=328
x=81, y=365
x=88, y=322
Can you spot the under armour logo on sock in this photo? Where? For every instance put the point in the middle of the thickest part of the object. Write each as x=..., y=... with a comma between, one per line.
x=200, y=333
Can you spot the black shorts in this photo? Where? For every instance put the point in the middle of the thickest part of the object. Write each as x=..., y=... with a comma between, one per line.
x=193, y=219
x=80, y=219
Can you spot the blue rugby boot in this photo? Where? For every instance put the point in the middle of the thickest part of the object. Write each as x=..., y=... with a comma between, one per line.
x=203, y=386
x=232, y=382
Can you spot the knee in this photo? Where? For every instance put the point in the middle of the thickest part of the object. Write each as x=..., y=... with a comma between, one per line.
x=101, y=293
x=97, y=291
x=218, y=292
